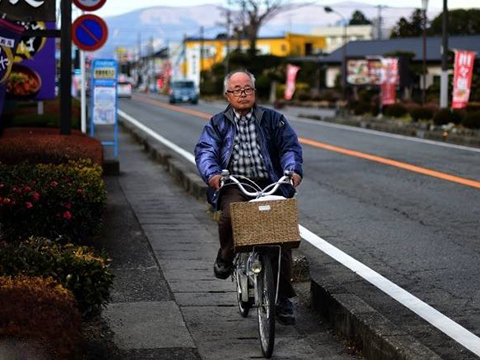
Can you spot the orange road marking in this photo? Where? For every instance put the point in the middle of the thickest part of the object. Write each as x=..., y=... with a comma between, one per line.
x=337, y=149
x=398, y=164
x=172, y=107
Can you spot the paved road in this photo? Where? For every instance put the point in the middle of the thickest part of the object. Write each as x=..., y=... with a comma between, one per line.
x=420, y=232
x=166, y=303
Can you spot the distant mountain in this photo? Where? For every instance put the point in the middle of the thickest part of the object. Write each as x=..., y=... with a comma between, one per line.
x=157, y=26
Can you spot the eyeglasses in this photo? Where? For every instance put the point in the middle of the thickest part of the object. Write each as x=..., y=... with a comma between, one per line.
x=238, y=92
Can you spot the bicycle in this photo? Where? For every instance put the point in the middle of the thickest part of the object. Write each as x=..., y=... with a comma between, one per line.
x=252, y=266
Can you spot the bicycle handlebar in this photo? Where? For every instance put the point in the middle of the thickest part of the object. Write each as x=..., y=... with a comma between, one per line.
x=285, y=179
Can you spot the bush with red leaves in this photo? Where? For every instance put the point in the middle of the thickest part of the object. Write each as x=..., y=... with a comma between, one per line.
x=47, y=146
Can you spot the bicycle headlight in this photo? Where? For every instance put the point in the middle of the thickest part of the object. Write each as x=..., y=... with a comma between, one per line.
x=256, y=267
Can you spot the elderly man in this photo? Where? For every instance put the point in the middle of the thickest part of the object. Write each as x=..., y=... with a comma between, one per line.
x=255, y=142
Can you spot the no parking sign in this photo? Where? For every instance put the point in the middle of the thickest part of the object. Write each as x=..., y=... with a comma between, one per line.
x=89, y=32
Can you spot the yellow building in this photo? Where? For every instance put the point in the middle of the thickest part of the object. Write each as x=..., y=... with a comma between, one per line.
x=215, y=50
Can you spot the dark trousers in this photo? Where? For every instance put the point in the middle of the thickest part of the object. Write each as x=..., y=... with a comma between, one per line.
x=231, y=194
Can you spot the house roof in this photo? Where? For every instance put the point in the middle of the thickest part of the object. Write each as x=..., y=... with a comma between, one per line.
x=361, y=49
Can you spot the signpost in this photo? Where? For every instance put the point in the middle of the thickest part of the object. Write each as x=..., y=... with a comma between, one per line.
x=103, y=94
x=89, y=32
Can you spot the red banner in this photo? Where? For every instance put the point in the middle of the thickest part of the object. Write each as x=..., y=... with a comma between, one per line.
x=462, y=80
x=389, y=80
x=292, y=71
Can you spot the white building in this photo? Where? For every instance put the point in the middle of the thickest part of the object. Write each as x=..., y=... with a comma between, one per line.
x=334, y=35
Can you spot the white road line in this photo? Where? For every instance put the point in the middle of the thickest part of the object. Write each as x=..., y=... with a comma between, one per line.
x=158, y=137
x=434, y=317
x=428, y=313
x=381, y=133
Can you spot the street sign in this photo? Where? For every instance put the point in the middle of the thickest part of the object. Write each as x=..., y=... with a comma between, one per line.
x=89, y=32
x=89, y=5
x=103, y=94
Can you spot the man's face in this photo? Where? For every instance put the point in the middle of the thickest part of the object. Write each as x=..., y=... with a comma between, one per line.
x=240, y=82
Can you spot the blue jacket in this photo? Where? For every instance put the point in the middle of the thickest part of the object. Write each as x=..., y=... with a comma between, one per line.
x=279, y=144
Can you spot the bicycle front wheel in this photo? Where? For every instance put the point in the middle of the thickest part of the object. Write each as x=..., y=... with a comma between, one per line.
x=266, y=306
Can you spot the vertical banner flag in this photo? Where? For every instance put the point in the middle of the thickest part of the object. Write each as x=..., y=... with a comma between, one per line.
x=462, y=80
x=9, y=37
x=389, y=80
x=292, y=71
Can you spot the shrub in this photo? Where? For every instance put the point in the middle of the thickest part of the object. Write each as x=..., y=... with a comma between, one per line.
x=44, y=145
x=472, y=120
x=303, y=95
x=77, y=268
x=411, y=106
x=445, y=116
x=40, y=310
x=473, y=107
x=362, y=108
x=51, y=200
x=396, y=110
x=421, y=113
x=433, y=107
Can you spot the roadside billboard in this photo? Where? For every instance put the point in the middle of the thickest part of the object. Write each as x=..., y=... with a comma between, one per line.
x=29, y=10
x=364, y=72
x=33, y=70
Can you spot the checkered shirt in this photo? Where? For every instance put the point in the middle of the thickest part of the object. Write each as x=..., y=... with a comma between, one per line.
x=246, y=158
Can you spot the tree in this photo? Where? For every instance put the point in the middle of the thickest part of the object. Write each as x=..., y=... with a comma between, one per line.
x=254, y=14
x=409, y=28
x=460, y=22
x=359, y=18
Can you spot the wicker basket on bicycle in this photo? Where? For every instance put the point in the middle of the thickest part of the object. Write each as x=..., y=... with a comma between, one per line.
x=267, y=222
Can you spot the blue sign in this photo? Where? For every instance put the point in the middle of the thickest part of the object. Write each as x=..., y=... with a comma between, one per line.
x=103, y=95
x=89, y=32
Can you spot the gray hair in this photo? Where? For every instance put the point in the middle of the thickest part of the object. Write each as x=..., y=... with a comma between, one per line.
x=230, y=74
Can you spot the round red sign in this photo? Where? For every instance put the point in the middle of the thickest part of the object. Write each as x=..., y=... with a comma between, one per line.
x=89, y=32
x=89, y=5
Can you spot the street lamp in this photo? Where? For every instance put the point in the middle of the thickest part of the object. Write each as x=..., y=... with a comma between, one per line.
x=328, y=9
x=424, y=72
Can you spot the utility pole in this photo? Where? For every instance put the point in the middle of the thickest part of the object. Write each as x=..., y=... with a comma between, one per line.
x=201, y=51
x=380, y=22
x=444, y=76
x=184, y=51
x=66, y=69
x=227, y=60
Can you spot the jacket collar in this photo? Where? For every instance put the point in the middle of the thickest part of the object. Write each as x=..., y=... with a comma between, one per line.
x=257, y=112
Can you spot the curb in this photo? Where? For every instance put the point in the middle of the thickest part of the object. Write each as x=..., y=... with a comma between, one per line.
x=351, y=317
x=440, y=136
x=376, y=336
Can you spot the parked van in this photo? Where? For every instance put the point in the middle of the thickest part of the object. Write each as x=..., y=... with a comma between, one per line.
x=183, y=91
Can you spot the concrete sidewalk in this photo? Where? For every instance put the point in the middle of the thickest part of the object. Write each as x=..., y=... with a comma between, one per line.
x=166, y=303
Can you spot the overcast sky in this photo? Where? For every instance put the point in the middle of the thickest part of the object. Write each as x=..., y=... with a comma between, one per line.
x=116, y=7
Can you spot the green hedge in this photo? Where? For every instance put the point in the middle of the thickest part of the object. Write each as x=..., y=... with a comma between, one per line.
x=53, y=201
x=77, y=268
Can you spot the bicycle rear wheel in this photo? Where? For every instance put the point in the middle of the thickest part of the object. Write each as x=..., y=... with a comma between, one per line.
x=266, y=306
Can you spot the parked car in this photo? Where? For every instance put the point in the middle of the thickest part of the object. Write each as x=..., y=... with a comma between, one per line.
x=183, y=91
x=124, y=89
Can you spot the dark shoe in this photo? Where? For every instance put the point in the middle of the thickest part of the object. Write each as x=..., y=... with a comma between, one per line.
x=284, y=312
x=222, y=268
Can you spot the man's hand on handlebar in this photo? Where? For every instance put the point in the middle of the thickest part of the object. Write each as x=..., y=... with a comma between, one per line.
x=214, y=182
x=296, y=179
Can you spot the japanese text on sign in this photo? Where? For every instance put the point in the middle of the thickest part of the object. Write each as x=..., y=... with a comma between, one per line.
x=462, y=78
x=104, y=73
